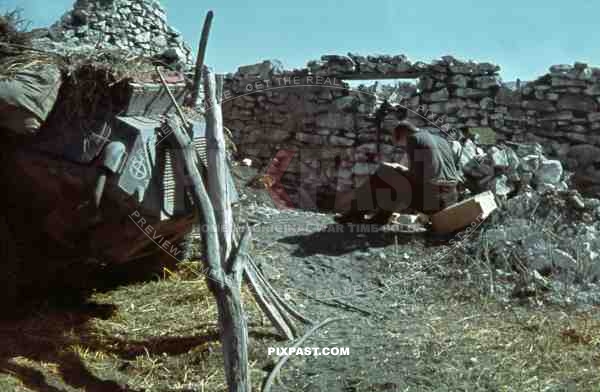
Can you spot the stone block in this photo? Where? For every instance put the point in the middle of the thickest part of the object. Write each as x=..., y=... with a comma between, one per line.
x=468, y=213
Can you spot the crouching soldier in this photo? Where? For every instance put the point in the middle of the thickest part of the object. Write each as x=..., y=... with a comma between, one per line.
x=428, y=185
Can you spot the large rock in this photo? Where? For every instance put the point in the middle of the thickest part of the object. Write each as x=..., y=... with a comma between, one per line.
x=335, y=121
x=584, y=154
x=580, y=103
x=264, y=70
x=549, y=172
x=468, y=153
x=546, y=258
x=478, y=170
x=347, y=103
x=529, y=149
x=540, y=106
x=521, y=204
x=471, y=93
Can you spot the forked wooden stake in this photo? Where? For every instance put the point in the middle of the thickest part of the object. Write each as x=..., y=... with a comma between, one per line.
x=226, y=266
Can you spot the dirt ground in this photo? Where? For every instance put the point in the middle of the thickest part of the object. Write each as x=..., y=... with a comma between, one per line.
x=416, y=318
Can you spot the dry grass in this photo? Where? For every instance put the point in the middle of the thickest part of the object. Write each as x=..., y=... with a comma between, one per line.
x=514, y=349
x=155, y=336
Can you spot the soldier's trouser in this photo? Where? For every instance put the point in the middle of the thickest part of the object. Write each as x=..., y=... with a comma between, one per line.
x=391, y=190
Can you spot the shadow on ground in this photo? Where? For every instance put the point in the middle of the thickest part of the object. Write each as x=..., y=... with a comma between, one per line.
x=52, y=321
x=50, y=335
x=338, y=240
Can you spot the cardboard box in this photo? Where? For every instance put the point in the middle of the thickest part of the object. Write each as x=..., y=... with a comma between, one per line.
x=463, y=214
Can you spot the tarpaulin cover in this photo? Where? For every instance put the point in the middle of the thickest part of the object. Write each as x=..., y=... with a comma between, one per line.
x=27, y=97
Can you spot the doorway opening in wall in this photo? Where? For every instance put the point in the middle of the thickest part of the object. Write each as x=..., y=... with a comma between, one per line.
x=392, y=90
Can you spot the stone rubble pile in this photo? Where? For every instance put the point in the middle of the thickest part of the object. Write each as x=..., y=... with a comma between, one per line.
x=543, y=225
x=505, y=170
x=138, y=26
x=555, y=233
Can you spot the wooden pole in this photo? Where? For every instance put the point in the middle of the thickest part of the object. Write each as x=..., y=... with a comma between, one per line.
x=218, y=186
x=200, y=58
x=172, y=97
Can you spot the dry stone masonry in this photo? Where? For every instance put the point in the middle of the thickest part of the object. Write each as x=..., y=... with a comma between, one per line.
x=340, y=134
x=139, y=26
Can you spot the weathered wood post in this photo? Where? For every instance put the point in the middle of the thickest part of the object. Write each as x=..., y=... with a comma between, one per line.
x=234, y=331
x=200, y=59
x=216, y=154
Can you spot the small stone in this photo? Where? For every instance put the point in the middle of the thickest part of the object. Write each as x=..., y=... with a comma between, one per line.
x=501, y=186
x=486, y=103
x=485, y=82
x=498, y=157
x=436, y=96
x=308, y=138
x=543, y=188
x=458, y=81
x=577, y=202
x=341, y=141
x=561, y=68
x=584, y=154
x=471, y=93
x=364, y=169
x=530, y=163
x=347, y=104
x=335, y=121
x=143, y=37
x=160, y=41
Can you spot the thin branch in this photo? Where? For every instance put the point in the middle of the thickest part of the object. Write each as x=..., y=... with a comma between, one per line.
x=280, y=300
x=211, y=245
x=269, y=381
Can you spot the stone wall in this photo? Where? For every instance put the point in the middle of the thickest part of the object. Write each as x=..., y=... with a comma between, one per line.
x=138, y=26
x=340, y=134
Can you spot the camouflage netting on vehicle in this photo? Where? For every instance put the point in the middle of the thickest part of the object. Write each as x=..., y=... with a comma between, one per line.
x=95, y=85
x=27, y=97
x=27, y=90
x=79, y=89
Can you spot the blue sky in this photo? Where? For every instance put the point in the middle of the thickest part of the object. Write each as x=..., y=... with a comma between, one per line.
x=524, y=37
